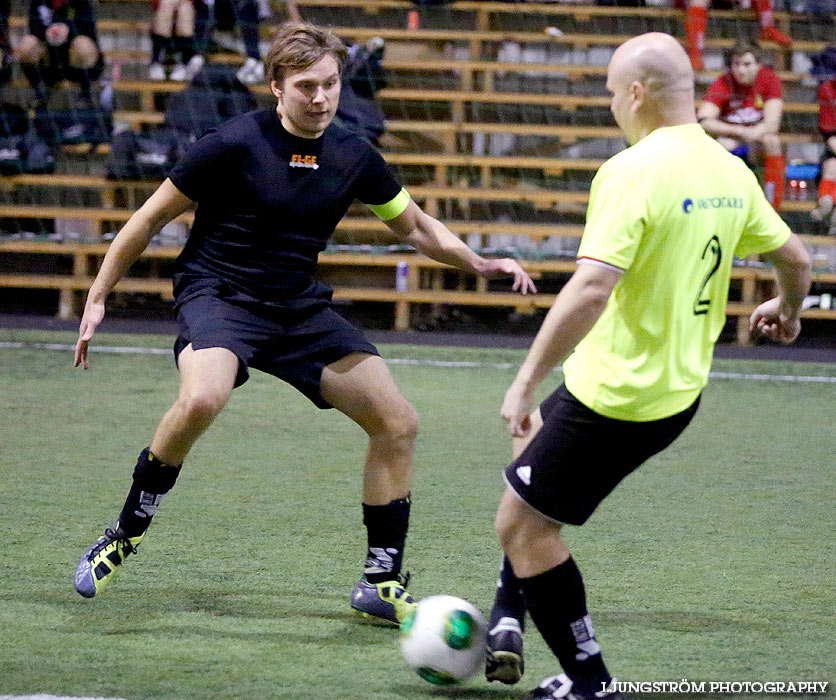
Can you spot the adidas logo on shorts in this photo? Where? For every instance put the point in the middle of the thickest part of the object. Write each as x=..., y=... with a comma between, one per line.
x=524, y=475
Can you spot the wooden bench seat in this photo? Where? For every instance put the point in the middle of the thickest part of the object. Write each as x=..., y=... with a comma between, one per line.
x=476, y=40
x=487, y=9
x=540, y=198
x=87, y=257
x=434, y=65
x=566, y=133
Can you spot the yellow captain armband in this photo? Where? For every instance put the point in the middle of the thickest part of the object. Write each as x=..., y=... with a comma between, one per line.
x=392, y=208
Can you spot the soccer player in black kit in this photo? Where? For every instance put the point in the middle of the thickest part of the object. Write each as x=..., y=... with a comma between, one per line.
x=270, y=188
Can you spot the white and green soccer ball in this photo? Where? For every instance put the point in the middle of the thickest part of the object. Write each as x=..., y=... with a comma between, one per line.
x=444, y=639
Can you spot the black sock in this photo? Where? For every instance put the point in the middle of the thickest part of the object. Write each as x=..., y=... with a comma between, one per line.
x=556, y=601
x=81, y=76
x=152, y=480
x=386, y=526
x=159, y=45
x=509, y=601
x=33, y=74
x=184, y=45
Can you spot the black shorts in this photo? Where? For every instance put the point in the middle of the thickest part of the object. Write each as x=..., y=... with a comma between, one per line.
x=579, y=456
x=294, y=349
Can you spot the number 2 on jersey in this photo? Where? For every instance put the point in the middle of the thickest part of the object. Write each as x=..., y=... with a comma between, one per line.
x=713, y=249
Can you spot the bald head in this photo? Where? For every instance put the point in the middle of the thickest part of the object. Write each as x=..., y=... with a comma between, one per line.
x=658, y=62
x=652, y=85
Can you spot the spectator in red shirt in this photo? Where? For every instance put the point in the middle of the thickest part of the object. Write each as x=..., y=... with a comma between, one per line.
x=742, y=110
x=824, y=68
x=696, y=21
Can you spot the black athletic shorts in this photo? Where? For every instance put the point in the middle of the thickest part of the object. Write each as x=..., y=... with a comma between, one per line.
x=294, y=349
x=579, y=456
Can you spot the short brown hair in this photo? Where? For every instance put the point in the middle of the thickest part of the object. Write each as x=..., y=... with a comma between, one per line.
x=741, y=48
x=298, y=45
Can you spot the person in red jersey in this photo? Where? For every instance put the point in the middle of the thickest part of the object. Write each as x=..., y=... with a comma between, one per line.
x=696, y=21
x=824, y=68
x=742, y=110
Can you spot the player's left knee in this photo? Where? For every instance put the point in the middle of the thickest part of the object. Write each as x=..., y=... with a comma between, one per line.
x=83, y=52
x=402, y=423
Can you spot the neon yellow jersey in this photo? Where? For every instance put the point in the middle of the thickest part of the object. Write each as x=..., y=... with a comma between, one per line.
x=671, y=211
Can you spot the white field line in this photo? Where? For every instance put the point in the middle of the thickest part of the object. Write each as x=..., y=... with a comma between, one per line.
x=42, y=696
x=128, y=350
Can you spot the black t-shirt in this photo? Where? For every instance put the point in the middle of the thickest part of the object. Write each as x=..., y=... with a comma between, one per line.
x=268, y=202
x=76, y=14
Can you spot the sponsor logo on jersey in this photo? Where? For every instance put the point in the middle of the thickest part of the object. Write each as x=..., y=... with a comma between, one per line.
x=712, y=203
x=298, y=161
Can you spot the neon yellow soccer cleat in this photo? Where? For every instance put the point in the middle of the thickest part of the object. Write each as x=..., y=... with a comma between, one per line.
x=99, y=563
x=387, y=600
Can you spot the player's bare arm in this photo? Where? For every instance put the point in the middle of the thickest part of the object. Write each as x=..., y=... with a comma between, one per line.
x=773, y=110
x=165, y=205
x=575, y=310
x=436, y=241
x=708, y=116
x=778, y=318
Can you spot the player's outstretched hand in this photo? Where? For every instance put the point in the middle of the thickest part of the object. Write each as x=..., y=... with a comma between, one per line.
x=516, y=410
x=769, y=321
x=508, y=267
x=93, y=314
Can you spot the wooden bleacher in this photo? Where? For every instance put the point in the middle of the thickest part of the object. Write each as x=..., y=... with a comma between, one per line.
x=481, y=31
x=87, y=256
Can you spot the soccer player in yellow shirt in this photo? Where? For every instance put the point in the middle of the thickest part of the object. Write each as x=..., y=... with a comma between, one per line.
x=636, y=325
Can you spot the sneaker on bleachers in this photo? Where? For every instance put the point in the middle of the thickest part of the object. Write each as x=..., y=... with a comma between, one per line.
x=251, y=72
x=156, y=72
x=178, y=73
x=194, y=66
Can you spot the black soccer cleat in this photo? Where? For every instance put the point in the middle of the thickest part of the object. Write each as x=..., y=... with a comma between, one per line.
x=504, y=659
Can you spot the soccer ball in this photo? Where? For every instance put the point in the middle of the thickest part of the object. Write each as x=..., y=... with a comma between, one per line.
x=444, y=639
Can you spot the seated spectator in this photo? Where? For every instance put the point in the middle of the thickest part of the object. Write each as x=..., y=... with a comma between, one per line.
x=5, y=46
x=743, y=109
x=172, y=32
x=61, y=44
x=824, y=68
x=247, y=17
x=247, y=14
x=697, y=19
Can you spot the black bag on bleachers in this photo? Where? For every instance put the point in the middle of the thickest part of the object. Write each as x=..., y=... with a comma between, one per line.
x=150, y=154
x=25, y=153
x=70, y=126
x=362, y=77
x=213, y=96
x=13, y=120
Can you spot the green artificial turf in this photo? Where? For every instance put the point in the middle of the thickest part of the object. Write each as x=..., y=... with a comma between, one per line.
x=715, y=561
